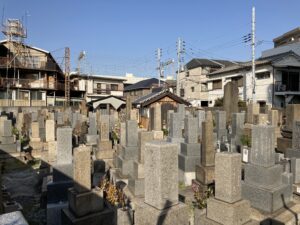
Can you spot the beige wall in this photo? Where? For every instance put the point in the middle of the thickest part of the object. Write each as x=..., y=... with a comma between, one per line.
x=194, y=79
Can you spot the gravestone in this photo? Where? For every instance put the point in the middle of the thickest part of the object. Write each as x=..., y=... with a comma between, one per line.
x=136, y=180
x=200, y=114
x=57, y=190
x=272, y=189
x=92, y=136
x=175, y=133
x=205, y=171
x=227, y=207
x=86, y=205
x=157, y=117
x=20, y=121
x=129, y=153
x=60, y=118
x=7, y=139
x=161, y=187
x=231, y=98
x=238, y=121
x=252, y=109
x=296, y=135
x=50, y=130
x=221, y=124
x=189, y=154
x=52, y=151
x=104, y=148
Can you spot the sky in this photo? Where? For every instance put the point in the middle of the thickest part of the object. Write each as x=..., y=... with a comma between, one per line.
x=121, y=36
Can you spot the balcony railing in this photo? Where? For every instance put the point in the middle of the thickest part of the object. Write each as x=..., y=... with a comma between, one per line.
x=280, y=87
x=105, y=91
x=27, y=64
x=31, y=84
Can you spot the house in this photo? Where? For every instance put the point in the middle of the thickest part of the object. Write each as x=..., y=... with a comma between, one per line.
x=29, y=76
x=99, y=86
x=193, y=80
x=145, y=104
x=287, y=38
x=141, y=88
x=276, y=80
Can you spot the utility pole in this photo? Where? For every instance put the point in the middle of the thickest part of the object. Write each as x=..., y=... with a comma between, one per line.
x=158, y=55
x=253, y=54
x=180, y=59
x=67, y=76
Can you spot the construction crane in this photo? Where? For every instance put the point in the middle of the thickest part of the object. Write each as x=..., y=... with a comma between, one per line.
x=67, y=77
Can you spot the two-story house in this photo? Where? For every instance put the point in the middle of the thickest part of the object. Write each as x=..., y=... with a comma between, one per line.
x=193, y=80
x=29, y=76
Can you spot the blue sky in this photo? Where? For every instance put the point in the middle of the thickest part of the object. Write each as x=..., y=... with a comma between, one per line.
x=122, y=36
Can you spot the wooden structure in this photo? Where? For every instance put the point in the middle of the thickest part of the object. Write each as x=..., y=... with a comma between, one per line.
x=146, y=105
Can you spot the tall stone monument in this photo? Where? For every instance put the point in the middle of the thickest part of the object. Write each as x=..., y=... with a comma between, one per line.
x=86, y=205
x=205, y=171
x=161, y=205
x=227, y=207
x=136, y=180
x=189, y=155
x=231, y=99
x=266, y=186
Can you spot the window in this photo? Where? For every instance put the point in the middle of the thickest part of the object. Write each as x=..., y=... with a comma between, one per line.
x=217, y=84
x=181, y=92
x=203, y=87
x=114, y=87
x=192, y=89
x=187, y=74
x=262, y=75
x=35, y=95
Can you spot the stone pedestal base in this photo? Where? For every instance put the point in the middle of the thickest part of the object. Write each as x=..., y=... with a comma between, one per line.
x=205, y=174
x=5, y=140
x=91, y=139
x=54, y=212
x=203, y=220
x=228, y=213
x=175, y=140
x=125, y=166
x=36, y=145
x=290, y=153
x=263, y=176
x=82, y=204
x=158, y=134
x=148, y=215
x=129, y=153
x=9, y=148
x=104, y=145
x=188, y=163
x=265, y=199
x=105, y=154
x=58, y=191
x=100, y=218
x=137, y=187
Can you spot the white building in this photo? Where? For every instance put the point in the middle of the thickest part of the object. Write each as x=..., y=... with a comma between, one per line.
x=276, y=80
